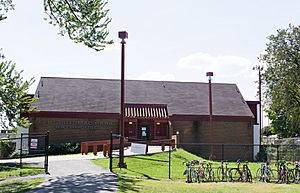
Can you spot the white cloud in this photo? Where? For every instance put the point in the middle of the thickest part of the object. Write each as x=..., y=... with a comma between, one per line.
x=156, y=76
x=226, y=68
x=222, y=65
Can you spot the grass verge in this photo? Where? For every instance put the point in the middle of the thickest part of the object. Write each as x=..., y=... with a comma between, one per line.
x=151, y=172
x=127, y=184
x=12, y=169
x=18, y=186
x=157, y=166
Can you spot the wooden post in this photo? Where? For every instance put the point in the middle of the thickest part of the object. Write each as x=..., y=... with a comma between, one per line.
x=95, y=149
x=104, y=150
x=163, y=147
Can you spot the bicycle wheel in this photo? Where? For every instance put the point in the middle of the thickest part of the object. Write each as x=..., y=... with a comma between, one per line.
x=220, y=175
x=270, y=175
x=249, y=175
x=259, y=175
x=290, y=176
x=297, y=175
x=212, y=175
x=276, y=175
x=234, y=174
x=194, y=176
x=208, y=174
x=188, y=178
x=201, y=175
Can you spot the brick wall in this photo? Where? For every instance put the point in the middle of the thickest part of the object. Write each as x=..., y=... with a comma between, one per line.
x=77, y=130
x=64, y=130
x=226, y=133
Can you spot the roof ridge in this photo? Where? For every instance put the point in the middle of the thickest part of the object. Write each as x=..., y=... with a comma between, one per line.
x=110, y=79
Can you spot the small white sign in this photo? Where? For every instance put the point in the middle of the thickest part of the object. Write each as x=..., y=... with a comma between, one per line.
x=138, y=148
x=25, y=144
x=33, y=143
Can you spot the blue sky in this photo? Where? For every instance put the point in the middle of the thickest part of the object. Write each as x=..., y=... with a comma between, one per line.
x=168, y=40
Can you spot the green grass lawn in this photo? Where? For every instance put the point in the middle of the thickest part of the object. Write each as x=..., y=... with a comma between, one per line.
x=156, y=165
x=18, y=186
x=149, y=173
x=127, y=184
x=10, y=170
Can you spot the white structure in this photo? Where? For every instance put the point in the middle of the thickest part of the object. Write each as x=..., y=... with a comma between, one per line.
x=255, y=140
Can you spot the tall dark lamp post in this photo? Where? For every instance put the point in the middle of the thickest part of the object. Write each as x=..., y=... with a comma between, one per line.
x=259, y=69
x=209, y=75
x=122, y=35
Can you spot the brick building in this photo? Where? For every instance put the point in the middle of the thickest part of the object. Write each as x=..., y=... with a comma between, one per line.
x=76, y=109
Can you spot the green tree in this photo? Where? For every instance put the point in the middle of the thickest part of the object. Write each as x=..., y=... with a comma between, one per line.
x=281, y=81
x=84, y=21
x=5, y=6
x=13, y=97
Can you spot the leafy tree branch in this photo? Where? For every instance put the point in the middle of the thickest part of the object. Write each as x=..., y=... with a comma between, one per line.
x=84, y=21
x=13, y=97
x=281, y=81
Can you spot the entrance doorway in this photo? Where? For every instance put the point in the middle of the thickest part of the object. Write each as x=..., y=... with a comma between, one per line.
x=144, y=132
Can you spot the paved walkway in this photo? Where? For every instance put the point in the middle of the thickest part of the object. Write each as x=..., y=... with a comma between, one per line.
x=76, y=176
x=75, y=173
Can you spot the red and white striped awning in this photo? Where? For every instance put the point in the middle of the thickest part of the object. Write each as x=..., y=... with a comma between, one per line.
x=146, y=111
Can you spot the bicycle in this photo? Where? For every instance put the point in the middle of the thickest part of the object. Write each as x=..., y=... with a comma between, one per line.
x=264, y=173
x=284, y=174
x=240, y=174
x=209, y=173
x=190, y=173
x=201, y=174
x=223, y=172
x=296, y=172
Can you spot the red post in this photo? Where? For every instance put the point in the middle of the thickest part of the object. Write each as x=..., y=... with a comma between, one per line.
x=105, y=150
x=95, y=149
x=210, y=74
x=163, y=147
x=123, y=35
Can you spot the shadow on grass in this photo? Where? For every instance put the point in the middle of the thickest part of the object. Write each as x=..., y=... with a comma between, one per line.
x=9, y=166
x=19, y=186
x=128, y=184
x=145, y=175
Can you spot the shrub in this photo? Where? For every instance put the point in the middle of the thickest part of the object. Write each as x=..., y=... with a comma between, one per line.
x=64, y=148
x=7, y=147
x=261, y=155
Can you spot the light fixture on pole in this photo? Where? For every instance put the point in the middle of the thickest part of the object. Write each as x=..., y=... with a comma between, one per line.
x=122, y=35
x=259, y=68
x=209, y=75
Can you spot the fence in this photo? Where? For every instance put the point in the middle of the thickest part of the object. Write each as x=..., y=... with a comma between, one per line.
x=28, y=145
x=244, y=152
x=170, y=162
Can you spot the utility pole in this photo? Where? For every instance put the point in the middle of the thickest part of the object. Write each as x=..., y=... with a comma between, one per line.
x=259, y=69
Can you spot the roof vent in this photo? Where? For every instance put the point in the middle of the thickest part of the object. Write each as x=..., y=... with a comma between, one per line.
x=42, y=83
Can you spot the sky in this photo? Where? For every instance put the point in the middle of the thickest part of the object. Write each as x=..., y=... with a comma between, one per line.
x=171, y=40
